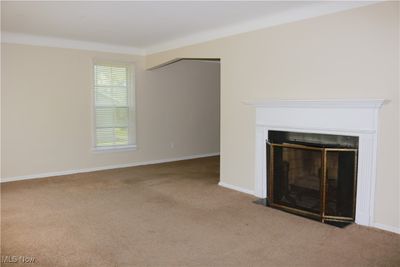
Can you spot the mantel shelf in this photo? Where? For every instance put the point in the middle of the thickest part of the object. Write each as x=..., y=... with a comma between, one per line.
x=318, y=103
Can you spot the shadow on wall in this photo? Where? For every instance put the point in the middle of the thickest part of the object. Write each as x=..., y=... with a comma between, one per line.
x=188, y=92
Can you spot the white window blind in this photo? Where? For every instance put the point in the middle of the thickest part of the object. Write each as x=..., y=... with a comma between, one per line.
x=114, y=111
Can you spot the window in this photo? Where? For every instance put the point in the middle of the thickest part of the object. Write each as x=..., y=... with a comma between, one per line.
x=114, y=106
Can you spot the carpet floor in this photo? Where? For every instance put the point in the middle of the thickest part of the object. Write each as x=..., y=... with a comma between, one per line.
x=171, y=214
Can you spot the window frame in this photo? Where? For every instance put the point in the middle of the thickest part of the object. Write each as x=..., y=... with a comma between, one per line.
x=131, y=82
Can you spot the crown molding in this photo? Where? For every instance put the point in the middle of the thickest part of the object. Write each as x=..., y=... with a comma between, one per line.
x=28, y=39
x=296, y=14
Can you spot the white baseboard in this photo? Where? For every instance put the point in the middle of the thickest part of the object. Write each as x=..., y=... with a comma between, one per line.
x=237, y=188
x=387, y=227
x=59, y=173
x=110, y=167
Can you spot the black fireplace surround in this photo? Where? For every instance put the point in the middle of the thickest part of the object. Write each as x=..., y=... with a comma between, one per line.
x=313, y=175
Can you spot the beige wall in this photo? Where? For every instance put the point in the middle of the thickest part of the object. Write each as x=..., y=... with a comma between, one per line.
x=351, y=54
x=47, y=111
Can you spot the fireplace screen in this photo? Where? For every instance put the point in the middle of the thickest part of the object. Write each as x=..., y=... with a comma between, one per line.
x=313, y=175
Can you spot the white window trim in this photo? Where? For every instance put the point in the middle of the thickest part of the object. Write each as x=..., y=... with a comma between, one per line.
x=114, y=148
x=131, y=103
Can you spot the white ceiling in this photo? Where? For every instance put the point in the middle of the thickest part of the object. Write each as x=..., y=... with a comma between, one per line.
x=148, y=26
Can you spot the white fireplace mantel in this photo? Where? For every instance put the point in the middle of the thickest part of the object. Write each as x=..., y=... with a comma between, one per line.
x=331, y=116
x=322, y=103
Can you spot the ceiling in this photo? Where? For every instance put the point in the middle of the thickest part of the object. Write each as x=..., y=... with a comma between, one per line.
x=149, y=26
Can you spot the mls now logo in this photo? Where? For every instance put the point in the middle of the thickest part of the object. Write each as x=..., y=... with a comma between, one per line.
x=17, y=259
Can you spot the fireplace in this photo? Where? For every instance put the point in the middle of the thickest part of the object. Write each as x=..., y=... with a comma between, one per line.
x=356, y=118
x=313, y=175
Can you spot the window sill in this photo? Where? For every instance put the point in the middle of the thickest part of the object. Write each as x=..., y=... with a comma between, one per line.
x=114, y=149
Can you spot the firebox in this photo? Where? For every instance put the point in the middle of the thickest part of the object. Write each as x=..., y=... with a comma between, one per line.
x=313, y=175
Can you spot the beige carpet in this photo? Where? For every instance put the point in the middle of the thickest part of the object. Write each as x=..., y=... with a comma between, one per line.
x=171, y=214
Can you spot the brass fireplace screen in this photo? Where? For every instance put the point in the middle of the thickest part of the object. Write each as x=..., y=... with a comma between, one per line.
x=317, y=181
